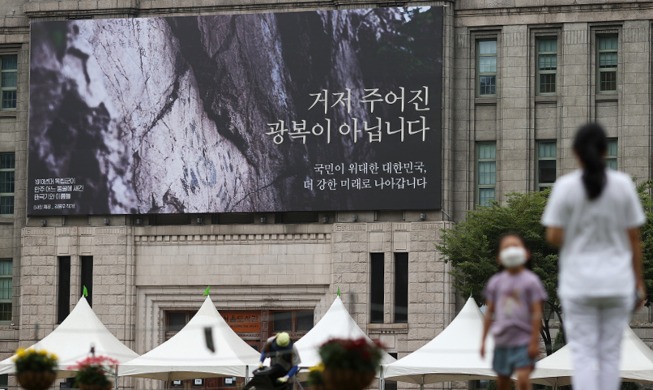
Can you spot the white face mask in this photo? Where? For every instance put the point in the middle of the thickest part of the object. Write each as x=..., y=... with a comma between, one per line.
x=513, y=256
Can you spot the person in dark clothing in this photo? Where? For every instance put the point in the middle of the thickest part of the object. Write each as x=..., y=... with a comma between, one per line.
x=284, y=364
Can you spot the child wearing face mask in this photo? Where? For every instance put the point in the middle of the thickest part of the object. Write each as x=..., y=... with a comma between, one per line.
x=514, y=299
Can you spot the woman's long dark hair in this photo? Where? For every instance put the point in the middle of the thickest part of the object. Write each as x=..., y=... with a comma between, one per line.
x=590, y=146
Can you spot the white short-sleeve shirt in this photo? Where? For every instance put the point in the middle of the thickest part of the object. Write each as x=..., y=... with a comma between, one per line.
x=596, y=256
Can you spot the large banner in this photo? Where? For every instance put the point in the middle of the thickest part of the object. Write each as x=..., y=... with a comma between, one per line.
x=322, y=110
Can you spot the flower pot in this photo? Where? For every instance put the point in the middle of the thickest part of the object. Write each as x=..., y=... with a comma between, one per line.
x=344, y=379
x=95, y=387
x=36, y=380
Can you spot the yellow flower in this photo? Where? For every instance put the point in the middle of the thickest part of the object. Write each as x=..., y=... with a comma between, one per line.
x=54, y=356
x=43, y=352
x=317, y=368
x=20, y=353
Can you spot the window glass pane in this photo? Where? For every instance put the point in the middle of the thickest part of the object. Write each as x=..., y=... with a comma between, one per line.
x=608, y=42
x=546, y=150
x=5, y=311
x=487, y=173
x=63, y=288
x=608, y=81
x=608, y=60
x=175, y=321
x=8, y=99
x=304, y=321
x=485, y=196
x=5, y=289
x=548, y=45
x=282, y=321
x=401, y=288
x=611, y=163
x=487, y=65
x=8, y=79
x=547, y=171
x=6, y=204
x=548, y=62
x=7, y=161
x=547, y=83
x=9, y=62
x=5, y=268
x=487, y=151
x=487, y=47
x=6, y=181
x=377, y=288
x=612, y=148
x=487, y=85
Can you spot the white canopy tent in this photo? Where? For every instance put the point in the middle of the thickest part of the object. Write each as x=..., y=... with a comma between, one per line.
x=336, y=323
x=186, y=356
x=636, y=363
x=453, y=355
x=73, y=338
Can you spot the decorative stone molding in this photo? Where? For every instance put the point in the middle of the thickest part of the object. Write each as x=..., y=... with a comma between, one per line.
x=233, y=238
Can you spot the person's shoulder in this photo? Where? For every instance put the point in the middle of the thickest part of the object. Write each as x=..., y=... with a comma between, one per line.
x=531, y=276
x=568, y=179
x=619, y=178
x=496, y=278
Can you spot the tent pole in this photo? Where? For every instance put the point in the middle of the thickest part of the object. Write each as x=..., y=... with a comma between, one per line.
x=115, y=386
x=381, y=380
x=421, y=385
x=246, y=373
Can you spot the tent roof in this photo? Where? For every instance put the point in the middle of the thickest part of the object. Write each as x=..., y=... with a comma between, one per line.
x=185, y=355
x=73, y=338
x=336, y=323
x=636, y=363
x=452, y=355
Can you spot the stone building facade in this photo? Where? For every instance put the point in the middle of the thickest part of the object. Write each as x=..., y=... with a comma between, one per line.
x=519, y=77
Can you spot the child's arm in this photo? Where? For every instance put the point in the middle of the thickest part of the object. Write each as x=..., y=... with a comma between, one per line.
x=487, y=321
x=536, y=326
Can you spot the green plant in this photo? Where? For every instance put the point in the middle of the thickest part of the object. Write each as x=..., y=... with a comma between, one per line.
x=33, y=360
x=358, y=355
x=95, y=370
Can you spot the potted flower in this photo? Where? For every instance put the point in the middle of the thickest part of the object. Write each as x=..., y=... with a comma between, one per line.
x=35, y=369
x=350, y=364
x=93, y=373
x=316, y=377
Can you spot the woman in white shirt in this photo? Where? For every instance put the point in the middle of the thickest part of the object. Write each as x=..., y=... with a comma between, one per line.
x=594, y=215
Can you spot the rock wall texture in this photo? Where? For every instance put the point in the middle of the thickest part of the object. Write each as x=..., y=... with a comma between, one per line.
x=170, y=115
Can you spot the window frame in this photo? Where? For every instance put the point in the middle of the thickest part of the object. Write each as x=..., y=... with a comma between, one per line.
x=479, y=74
x=542, y=186
x=479, y=161
x=11, y=195
x=539, y=72
x=2, y=87
x=599, y=71
x=10, y=277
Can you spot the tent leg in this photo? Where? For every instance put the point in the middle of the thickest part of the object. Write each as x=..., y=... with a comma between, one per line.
x=421, y=386
x=381, y=381
x=246, y=374
x=115, y=382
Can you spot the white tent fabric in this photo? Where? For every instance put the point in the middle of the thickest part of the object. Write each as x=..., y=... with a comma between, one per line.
x=636, y=363
x=186, y=356
x=73, y=338
x=336, y=323
x=453, y=355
